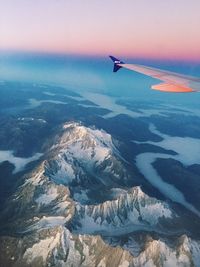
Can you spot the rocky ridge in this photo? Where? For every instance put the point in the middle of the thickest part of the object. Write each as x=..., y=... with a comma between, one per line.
x=53, y=224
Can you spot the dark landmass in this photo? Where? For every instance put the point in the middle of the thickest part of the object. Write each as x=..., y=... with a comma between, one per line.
x=186, y=179
x=177, y=125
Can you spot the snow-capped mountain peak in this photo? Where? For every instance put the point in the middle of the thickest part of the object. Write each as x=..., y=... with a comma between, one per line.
x=84, y=153
x=129, y=212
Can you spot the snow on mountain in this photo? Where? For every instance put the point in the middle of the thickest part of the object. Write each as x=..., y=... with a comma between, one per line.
x=158, y=253
x=39, y=203
x=50, y=195
x=131, y=211
x=88, y=145
x=44, y=194
x=84, y=158
x=47, y=222
x=58, y=247
x=84, y=164
x=80, y=147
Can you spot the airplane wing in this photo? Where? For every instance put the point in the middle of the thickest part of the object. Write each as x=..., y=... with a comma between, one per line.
x=171, y=81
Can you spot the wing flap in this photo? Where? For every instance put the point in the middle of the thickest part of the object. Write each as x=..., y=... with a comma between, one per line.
x=167, y=87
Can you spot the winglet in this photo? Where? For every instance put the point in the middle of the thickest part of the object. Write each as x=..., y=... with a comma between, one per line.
x=116, y=62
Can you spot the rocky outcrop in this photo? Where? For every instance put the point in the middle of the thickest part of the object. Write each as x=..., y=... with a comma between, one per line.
x=132, y=210
x=51, y=223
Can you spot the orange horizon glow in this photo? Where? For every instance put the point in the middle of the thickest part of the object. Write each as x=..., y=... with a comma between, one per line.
x=136, y=55
x=163, y=30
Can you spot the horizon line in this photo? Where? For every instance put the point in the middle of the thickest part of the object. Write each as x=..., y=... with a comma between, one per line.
x=101, y=55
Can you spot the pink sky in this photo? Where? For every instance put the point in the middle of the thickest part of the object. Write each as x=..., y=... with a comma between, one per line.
x=137, y=28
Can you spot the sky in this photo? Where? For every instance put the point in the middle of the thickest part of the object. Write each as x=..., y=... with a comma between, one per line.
x=133, y=28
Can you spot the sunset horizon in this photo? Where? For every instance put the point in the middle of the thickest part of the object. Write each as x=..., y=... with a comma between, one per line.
x=163, y=31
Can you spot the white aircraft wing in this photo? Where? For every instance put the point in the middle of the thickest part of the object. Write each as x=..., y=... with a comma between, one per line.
x=172, y=82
